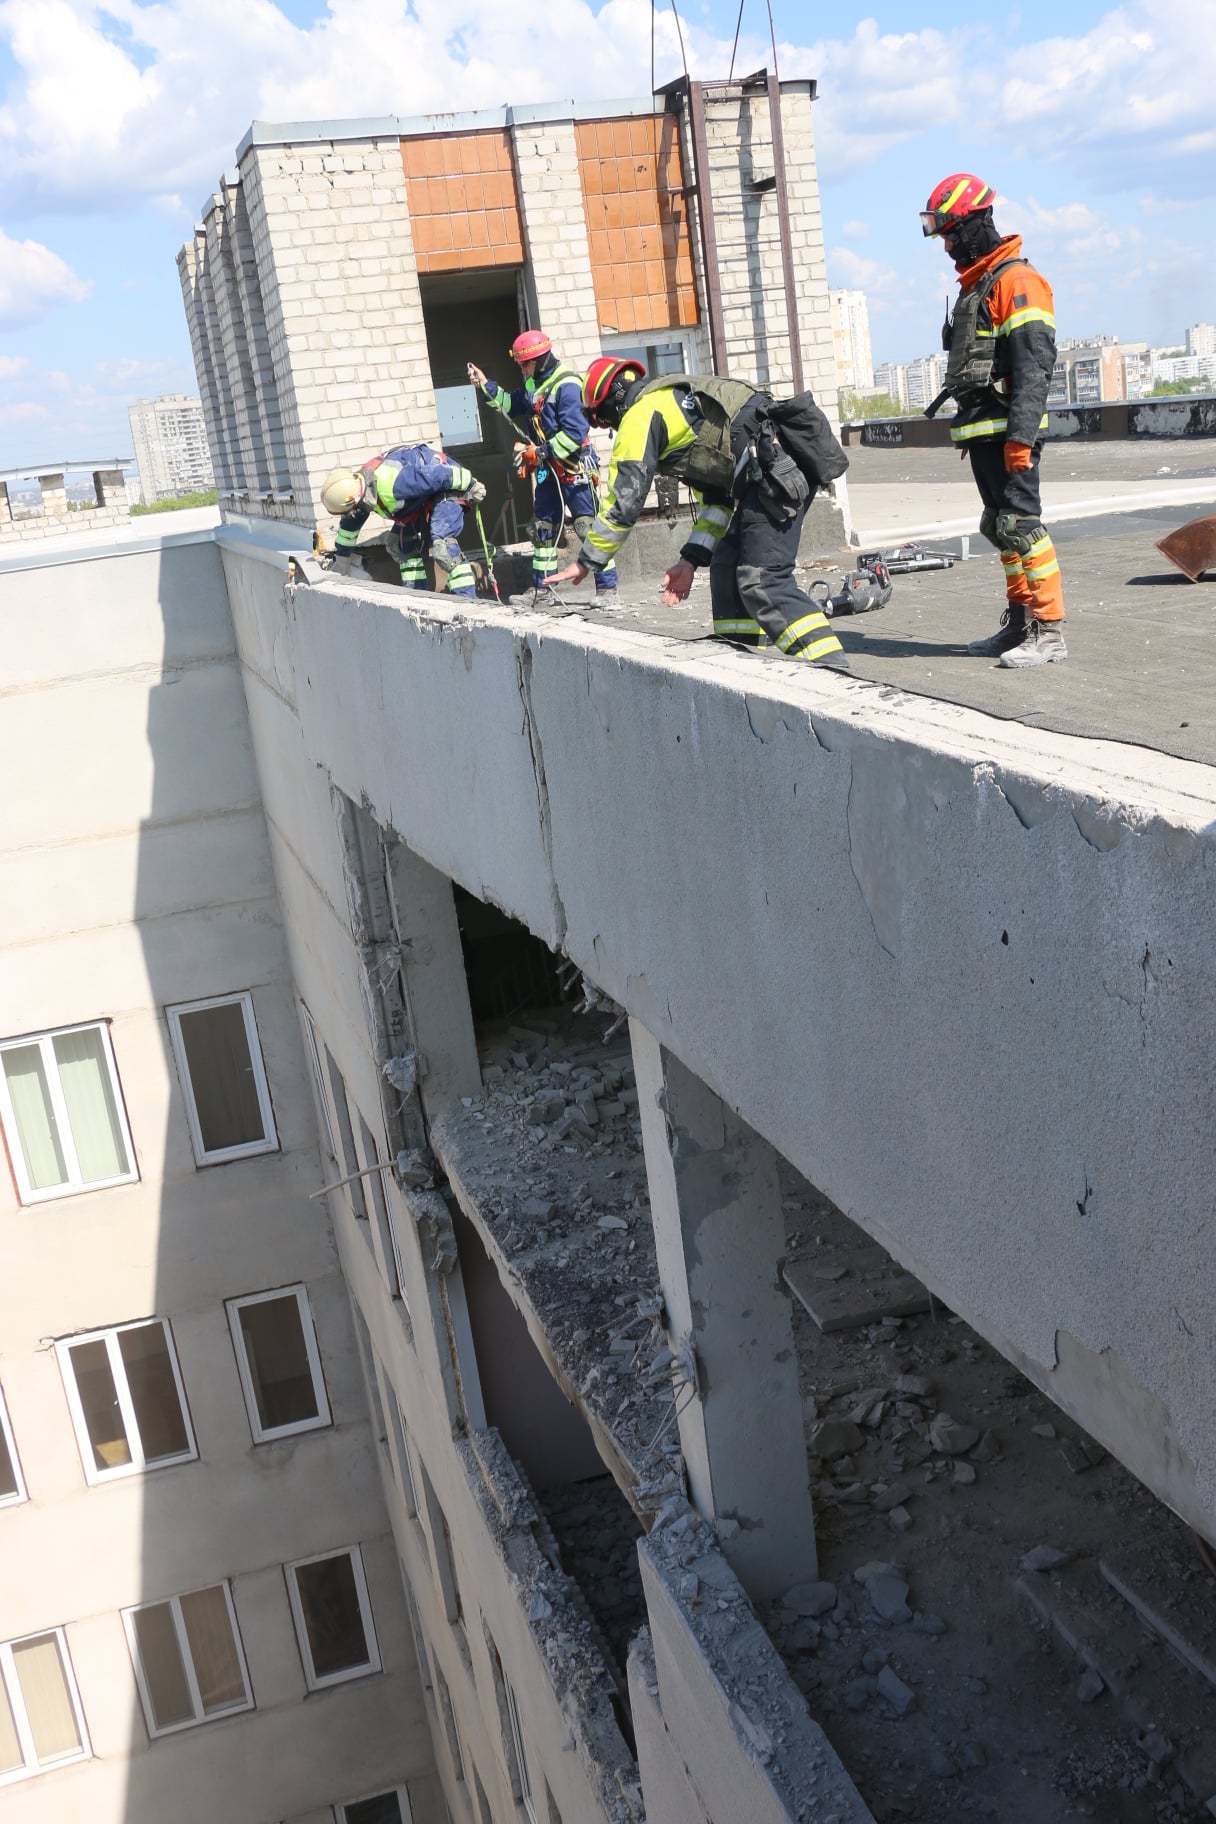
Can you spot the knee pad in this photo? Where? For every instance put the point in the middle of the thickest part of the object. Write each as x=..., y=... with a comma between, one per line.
x=582, y=525
x=445, y=555
x=988, y=526
x=541, y=531
x=1018, y=536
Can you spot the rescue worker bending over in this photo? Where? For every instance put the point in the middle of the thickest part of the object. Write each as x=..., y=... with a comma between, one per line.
x=548, y=410
x=751, y=501
x=1002, y=341
x=424, y=495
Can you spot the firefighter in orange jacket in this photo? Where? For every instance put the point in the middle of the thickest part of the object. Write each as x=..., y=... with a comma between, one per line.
x=1001, y=338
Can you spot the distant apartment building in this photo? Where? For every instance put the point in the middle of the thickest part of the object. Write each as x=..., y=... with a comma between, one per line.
x=851, y=340
x=924, y=381
x=891, y=377
x=1201, y=339
x=1087, y=373
x=170, y=446
x=1183, y=367
x=1137, y=369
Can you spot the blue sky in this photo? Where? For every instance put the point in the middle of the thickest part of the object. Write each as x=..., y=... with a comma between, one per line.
x=1091, y=122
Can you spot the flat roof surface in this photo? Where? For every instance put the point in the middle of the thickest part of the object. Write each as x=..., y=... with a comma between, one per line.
x=1141, y=638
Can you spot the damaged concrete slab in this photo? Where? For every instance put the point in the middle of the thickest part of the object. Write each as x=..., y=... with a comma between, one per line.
x=547, y=1165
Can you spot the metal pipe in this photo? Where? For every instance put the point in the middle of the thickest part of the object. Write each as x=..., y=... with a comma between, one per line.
x=705, y=219
x=787, y=245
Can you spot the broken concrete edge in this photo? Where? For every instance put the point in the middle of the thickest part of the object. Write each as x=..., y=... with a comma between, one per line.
x=740, y=1724
x=1111, y=787
x=1097, y=794
x=614, y=1454
x=1092, y=1385
x=582, y=1683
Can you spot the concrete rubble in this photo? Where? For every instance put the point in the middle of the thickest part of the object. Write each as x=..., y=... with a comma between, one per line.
x=548, y=1164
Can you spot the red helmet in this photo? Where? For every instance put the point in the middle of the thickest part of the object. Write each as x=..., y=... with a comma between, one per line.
x=602, y=375
x=956, y=196
x=530, y=345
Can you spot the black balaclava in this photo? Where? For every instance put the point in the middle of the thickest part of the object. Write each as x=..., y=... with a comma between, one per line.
x=544, y=367
x=973, y=237
x=619, y=397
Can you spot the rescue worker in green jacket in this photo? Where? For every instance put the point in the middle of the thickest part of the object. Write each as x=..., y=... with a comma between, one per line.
x=750, y=504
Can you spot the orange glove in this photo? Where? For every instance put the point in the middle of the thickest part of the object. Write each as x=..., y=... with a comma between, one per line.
x=1018, y=456
x=525, y=460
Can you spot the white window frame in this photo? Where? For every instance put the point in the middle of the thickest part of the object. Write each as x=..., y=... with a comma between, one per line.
x=374, y=1664
x=249, y=1148
x=324, y=1418
x=21, y=1721
x=523, y=1772
x=174, y=1605
x=6, y=1430
x=318, y=1077
x=75, y=1185
x=399, y=1793
x=625, y=341
x=138, y=1466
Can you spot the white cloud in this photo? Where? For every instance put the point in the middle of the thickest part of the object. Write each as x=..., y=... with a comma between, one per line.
x=11, y=366
x=33, y=280
x=23, y=411
x=115, y=97
x=855, y=231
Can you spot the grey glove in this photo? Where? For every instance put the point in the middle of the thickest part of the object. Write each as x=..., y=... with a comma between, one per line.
x=476, y=493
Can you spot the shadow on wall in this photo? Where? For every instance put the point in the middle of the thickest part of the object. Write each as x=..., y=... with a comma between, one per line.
x=243, y=1557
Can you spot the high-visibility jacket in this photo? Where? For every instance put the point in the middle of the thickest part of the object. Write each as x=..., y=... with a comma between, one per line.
x=549, y=409
x=402, y=485
x=657, y=431
x=1016, y=321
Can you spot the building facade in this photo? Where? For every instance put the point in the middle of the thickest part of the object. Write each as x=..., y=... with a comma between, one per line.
x=201, y=1613
x=1088, y=373
x=1201, y=339
x=170, y=446
x=851, y=341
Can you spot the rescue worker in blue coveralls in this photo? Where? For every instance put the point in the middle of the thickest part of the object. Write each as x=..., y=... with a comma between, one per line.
x=423, y=493
x=557, y=449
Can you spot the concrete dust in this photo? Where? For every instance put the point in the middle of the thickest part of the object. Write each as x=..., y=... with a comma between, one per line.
x=940, y=1470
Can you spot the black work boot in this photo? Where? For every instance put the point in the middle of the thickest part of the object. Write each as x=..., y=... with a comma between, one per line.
x=1011, y=633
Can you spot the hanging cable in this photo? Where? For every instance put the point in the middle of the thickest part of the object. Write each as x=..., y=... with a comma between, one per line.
x=653, y=10
x=680, y=33
x=735, y=47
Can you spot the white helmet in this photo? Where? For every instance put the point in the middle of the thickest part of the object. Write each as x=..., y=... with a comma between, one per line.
x=341, y=490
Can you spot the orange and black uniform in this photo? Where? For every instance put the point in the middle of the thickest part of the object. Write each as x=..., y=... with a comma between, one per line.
x=1019, y=316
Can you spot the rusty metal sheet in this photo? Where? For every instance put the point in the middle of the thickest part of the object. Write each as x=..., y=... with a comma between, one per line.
x=1192, y=547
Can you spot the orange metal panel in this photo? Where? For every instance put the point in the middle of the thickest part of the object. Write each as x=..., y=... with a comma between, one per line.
x=463, y=201
x=637, y=221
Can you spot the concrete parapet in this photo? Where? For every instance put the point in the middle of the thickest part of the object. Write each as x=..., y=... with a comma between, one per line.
x=723, y=1732
x=828, y=899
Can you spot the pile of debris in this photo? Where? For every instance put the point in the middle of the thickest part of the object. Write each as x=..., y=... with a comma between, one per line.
x=548, y=1164
x=965, y=1641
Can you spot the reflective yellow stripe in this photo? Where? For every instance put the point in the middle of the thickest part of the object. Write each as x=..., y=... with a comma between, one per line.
x=563, y=446
x=737, y=627
x=1037, y=575
x=1032, y=314
x=796, y=629
x=983, y=427
x=947, y=206
x=831, y=644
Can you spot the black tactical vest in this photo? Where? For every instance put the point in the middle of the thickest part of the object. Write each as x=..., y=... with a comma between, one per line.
x=969, y=369
x=709, y=462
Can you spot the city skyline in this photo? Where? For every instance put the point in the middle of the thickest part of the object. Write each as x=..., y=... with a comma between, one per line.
x=115, y=121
